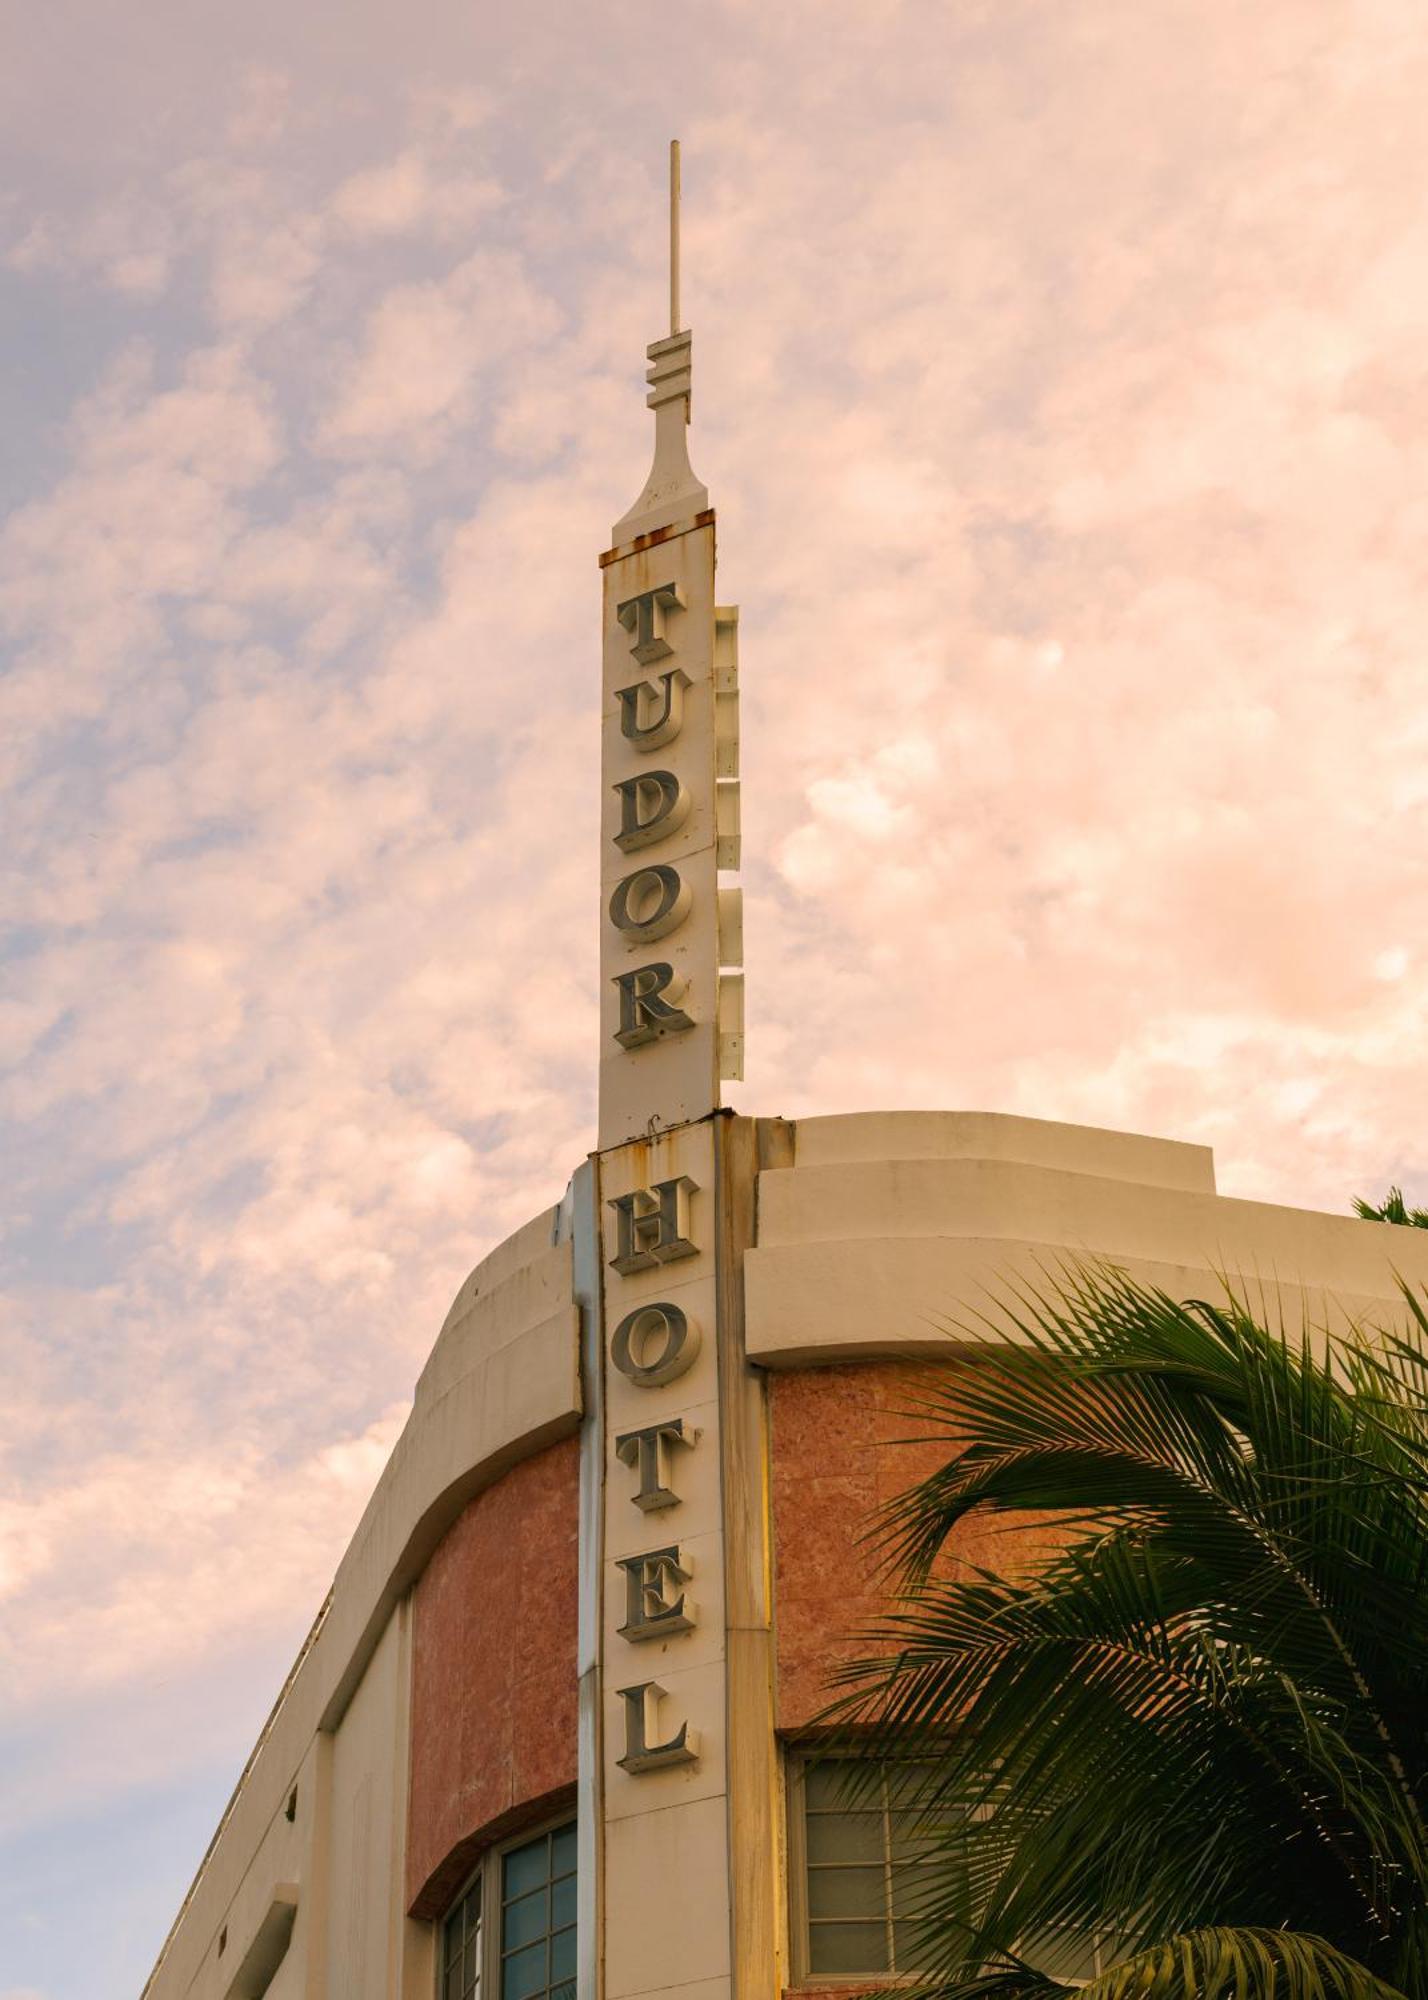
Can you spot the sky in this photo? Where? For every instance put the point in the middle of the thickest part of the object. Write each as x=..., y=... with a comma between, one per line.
x=1061, y=380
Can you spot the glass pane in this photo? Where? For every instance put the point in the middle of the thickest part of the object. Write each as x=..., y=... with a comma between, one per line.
x=525, y=1919
x=562, y=1903
x=908, y=1783
x=914, y=1842
x=848, y=1948
x=846, y=1892
x=562, y=1955
x=827, y=1786
x=463, y=1919
x=845, y=1836
x=562, y=1850
x=523, y=1973
x=461, y=1946
x=908, y=1942
x=910, y=1889
x=526, y=1867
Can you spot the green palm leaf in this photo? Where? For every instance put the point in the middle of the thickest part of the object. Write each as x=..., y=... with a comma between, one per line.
x=1198, y=1717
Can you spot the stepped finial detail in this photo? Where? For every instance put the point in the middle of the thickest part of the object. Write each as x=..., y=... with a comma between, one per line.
x=672, y=492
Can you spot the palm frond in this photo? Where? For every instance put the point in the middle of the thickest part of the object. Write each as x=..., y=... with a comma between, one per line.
x=1244, y=1964
x=1202, y=1708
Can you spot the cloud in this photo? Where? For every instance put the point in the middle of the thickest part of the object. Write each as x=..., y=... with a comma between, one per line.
x=1058, y=380
x=427, y=346
x=408, y=193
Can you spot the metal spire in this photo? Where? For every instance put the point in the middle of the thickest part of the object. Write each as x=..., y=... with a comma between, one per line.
x=672, y=492
x=674, y=236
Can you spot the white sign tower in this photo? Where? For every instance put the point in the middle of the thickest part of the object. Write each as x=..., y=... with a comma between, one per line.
x=677, y=1772
x=672, y=1015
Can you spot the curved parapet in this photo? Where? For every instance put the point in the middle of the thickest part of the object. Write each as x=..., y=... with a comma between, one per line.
x=883, y=1227
x=501, y=1385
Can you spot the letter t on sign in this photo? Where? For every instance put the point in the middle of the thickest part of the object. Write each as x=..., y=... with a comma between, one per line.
x=644, y=616
x=647, y=1449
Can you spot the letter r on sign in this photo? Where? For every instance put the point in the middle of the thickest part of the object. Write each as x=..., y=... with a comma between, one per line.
x=647, y=1008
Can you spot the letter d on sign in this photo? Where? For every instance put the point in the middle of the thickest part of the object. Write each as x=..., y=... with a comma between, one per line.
x=653, y=805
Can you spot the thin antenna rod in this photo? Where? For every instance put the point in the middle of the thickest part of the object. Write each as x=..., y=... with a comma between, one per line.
x=674, y=236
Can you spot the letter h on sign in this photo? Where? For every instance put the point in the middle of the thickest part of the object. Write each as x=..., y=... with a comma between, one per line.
x=653, y=1225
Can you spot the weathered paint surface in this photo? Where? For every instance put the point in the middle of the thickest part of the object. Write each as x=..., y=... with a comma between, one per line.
x=493, y=1670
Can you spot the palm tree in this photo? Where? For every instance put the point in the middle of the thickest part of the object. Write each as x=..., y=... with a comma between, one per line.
x=1190, y=1726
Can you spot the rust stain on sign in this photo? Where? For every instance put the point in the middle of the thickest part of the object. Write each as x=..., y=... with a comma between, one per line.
x=655, y=537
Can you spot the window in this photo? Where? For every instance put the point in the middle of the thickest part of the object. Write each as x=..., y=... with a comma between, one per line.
x=860, y=1834
x=538, y=1918
x=461, y=1947
x=859, y=1846
x=530, y=1953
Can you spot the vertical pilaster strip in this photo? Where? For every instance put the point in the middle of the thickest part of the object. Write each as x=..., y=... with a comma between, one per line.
x=584, y=1207
x=666, y=1883
x=753, y=1794
x=320, y=1870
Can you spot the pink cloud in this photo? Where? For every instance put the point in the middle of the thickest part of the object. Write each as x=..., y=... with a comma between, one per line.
x=1058, y=378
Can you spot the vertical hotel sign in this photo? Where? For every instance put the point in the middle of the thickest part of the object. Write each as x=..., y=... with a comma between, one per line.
x=656, y=1783
x=672, y=1001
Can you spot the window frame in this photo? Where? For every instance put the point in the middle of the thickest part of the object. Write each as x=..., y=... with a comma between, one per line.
x=488, y=1872
x=797, y=1758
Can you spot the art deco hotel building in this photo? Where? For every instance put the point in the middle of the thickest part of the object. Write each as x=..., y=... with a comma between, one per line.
x=549, y=1735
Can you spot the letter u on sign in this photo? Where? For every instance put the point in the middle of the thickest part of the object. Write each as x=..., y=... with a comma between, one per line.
x=649, y=719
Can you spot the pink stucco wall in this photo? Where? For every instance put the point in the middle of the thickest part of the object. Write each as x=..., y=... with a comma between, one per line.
x=836, y=1459
x=493, y=1672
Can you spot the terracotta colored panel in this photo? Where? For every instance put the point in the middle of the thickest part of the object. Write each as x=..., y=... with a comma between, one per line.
x=847, y=1991
x=837, y=1457
x=493, y=1671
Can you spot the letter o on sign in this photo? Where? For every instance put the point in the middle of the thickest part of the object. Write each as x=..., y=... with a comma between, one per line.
x=654, y=1344
x=650, y=903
